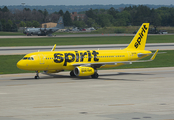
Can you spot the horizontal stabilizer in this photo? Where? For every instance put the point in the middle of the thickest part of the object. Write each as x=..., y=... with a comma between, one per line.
x=142, y=54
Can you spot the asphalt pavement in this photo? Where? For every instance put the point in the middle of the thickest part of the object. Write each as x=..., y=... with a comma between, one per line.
x=123, y=94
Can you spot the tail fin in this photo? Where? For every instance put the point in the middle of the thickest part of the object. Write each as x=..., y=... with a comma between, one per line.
x=60, y=23
x=139, y=40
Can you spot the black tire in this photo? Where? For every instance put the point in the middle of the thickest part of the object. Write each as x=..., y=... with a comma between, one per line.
x=72, y=74
x=95, y=75
x=36, y=77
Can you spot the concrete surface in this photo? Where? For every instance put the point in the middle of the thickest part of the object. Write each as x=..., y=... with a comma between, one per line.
x=123, y=94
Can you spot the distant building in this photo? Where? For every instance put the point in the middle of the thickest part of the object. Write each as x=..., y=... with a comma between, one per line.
x=74, y=14
x=49, y=25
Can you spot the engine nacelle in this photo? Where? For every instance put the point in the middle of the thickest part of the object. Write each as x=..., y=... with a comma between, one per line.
x=84, y=71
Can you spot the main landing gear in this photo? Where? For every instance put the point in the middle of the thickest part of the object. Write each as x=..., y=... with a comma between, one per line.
x=95, y=75
x=72, y=74
x=37, y=75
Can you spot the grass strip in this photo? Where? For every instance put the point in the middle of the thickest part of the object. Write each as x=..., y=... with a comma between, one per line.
x=11, y=33
x=80, y=40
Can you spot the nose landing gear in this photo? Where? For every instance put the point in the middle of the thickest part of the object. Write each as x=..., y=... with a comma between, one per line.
x=37, y=75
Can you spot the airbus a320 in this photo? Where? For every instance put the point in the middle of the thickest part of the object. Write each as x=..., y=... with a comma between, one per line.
x=86, y=62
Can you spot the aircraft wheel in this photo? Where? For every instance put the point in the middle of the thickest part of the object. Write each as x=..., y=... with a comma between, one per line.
x=36, y=77
x=95, y=75
x=72, y=73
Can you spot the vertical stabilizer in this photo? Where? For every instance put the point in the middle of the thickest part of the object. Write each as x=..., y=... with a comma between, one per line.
x=139, y=40
x=60, y=23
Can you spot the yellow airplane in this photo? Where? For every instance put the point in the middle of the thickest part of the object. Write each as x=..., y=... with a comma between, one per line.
x=86, y=62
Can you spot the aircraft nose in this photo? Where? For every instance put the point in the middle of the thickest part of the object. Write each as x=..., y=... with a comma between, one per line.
x=20, y=64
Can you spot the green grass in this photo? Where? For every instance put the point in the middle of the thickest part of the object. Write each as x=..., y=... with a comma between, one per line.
x=80, y=40
x=10, y=33
x=8, y=63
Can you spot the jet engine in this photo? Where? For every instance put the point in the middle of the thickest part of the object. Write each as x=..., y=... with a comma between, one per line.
x=84, y=71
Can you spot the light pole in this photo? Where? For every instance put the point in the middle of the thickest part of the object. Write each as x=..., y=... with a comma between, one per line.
x=23, y=15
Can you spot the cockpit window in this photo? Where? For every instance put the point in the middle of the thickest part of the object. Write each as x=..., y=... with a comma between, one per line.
x=28, y=58
x=25, y=58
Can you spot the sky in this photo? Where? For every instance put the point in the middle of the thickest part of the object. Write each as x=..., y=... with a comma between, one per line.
x=84, y=2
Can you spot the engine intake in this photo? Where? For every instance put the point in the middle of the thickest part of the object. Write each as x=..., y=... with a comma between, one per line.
x=83, y=71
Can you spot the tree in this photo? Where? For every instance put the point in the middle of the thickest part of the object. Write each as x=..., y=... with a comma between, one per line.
x=122, y=19
x=104, y=20
x=10, y=23
x=61, y=12
x=95, y=25
x=67, y=19
x=8, y=27
x=79, y=24
x=29, y=24
x=22, y=24
x=5, y=9
x=0, y=26
x=90, y=21
x=40, y=11
x=35, y=24
x=90, y=14
x=45, y=13
x=155, y=18
x=113, y=12
x=27, y=9
x=14, y=28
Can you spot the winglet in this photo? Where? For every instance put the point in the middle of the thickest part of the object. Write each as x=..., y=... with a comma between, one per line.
x=54, y=47
x=154, y=55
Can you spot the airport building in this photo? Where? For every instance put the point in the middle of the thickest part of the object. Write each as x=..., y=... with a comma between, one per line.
x=74, y=14
x=49, y=25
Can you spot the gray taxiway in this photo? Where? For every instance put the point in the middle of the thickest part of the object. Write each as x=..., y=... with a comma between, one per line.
x=29, y=49
x=124, y=94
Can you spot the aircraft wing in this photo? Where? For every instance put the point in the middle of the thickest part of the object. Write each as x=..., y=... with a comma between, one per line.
x=99, y=64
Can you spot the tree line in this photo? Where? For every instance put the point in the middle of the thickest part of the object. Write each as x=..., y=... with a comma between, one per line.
x=132, y=15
